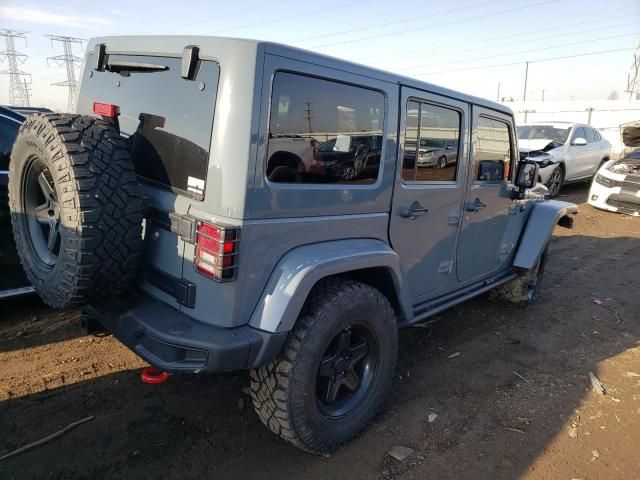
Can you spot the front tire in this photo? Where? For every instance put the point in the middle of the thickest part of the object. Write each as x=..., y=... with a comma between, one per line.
x=334, y=369
x=556, y=179
x=523, y=290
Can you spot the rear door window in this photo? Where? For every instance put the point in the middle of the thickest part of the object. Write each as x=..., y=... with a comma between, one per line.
x=323, y=132
x=436, y=130
x=168, y=119
x=591, y=136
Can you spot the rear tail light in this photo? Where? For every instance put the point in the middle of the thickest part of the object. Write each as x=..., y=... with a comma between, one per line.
x=216, y=251
x=105, y=109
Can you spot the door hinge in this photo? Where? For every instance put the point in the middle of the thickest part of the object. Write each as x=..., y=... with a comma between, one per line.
x=453, y=218
x=446, y=266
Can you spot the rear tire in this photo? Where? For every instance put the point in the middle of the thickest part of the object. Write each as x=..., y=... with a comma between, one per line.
x=309, y=395
x=76, y=208
x=523, y=290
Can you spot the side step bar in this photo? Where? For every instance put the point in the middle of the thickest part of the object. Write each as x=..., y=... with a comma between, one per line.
x=16, y=292
x=432, y=307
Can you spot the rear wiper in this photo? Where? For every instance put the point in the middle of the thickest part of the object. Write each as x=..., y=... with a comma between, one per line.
x=129, y=67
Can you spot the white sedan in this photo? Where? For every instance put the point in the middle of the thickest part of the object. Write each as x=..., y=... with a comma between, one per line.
x=567, y=152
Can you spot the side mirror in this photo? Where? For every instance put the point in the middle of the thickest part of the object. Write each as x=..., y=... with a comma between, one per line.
x=527, y=176
x=579, y=142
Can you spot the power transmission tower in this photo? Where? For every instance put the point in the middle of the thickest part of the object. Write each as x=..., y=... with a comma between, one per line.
x=18, y=86
x=68, y=59
x=633, y=79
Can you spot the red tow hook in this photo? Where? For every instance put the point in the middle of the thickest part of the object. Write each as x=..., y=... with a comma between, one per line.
x=153, y=376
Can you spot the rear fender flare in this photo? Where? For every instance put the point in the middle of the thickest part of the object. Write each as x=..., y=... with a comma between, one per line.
x=303, y=267
x=543, y=219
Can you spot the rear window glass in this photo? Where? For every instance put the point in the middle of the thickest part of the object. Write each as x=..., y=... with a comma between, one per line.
x=168, y=119
x=438, y=131
x=322, y=131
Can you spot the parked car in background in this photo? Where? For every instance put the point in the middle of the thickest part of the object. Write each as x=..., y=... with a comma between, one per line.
x=566, y=152
x=616, y=186
x=437, y=153
x=347, y=157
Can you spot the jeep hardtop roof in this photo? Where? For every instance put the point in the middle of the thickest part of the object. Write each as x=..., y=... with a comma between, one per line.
x=243, y=53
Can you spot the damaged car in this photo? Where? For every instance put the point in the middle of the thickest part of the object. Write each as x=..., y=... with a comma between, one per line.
x=616, y=186
x=566, y=152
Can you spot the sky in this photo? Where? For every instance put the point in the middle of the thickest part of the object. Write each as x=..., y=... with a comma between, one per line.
x=475, y=46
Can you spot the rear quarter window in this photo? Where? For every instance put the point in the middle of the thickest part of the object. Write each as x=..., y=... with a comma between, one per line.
x=323, y=131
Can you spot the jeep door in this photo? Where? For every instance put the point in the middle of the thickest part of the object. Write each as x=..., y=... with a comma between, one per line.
x=427, y=200
x=492, y=221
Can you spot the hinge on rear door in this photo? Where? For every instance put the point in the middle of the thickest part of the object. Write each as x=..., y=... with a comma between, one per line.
x=446, y=266
x=184, y=226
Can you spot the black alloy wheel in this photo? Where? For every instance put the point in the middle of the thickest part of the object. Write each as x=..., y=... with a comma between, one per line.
x=42, y=209
x=346, y=370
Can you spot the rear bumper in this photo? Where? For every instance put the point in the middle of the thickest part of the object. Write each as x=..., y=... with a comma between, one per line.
x=173, y=342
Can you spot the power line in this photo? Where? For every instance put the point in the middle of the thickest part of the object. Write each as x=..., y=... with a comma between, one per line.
x=68, y=59
x=443, y=49
x=439, y=25
x=523, y=51
x=481, y=67
x=18, y=86
x=439, y=47
x=396, y=22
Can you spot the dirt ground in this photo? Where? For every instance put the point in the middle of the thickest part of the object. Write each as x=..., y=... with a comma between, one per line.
x=516, y=402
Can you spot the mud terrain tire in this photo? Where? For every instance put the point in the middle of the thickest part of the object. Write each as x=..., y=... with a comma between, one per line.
x=76, y=208
x=523, y=290
x=286, y=393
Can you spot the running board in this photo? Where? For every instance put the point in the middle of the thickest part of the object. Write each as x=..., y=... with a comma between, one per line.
x=16, y=292
x=432, y=307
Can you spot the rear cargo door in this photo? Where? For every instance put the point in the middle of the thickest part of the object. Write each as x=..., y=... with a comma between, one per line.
x=168, y=121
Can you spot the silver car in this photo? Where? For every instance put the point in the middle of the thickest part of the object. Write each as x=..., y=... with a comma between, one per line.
x=566, y=152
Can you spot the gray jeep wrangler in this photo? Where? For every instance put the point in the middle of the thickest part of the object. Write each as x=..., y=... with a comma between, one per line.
x=223, y=204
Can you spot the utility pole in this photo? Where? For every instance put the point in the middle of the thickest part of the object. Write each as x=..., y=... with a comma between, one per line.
x=68, y=59
x=18, y=86
x=308, y=109
x=526, y=77
x=498, y=95
x=543, y=95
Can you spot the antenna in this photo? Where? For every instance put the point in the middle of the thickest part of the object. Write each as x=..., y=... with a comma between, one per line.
x=68, y=59
x=18, y=86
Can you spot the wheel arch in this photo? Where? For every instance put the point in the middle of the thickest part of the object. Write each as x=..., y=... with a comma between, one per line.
x=282, y=158
x=543, y=219
x=370, y=261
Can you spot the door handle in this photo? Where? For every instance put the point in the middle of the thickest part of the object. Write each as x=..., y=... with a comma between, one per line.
x=413, y=211
x=476, y=205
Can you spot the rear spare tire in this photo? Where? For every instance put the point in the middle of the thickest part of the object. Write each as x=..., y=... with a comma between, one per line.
x=76, y=208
